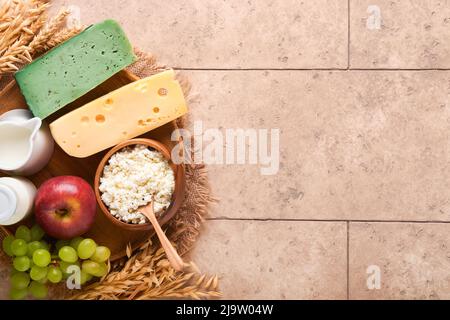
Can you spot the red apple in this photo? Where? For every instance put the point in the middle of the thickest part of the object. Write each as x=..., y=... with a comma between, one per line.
x=65, y=207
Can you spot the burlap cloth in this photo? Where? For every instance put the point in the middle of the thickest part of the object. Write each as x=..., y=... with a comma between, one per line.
x=147, y=274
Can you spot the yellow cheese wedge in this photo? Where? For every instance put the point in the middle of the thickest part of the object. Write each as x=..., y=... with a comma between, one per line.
x=120, y=115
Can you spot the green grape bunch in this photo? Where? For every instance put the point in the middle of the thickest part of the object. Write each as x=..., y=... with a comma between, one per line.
x=37, y=262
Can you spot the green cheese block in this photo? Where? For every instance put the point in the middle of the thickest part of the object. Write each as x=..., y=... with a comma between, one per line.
x=75, y=67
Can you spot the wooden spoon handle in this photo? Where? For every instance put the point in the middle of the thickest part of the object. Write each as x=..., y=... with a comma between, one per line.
x=172, y=254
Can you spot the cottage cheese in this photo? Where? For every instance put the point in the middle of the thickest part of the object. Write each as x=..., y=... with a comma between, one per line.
x=134, y=177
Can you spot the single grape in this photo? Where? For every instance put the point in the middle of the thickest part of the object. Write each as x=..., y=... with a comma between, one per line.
x=61, y=243
x=54, y=274
x=65, y=265
x=32, y=247
x=24, y=233
x=18, y=294
x=91, y=267
x=101, y=254
x=86, y=248
x=38, y=273
x=75, y=242
x=19, y=247
x=45, y=245
x=68, y=254
x=71, y=269
x=37, y=233
x=38, y=290
x=85, y=277
x=43, y=280
x=21, y=264
x=13, y=272
x=6, y=245
x=102, y=271
x=41, y=257
x=20, y=280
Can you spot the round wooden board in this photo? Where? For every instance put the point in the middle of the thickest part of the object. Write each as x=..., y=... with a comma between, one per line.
x=103, y=231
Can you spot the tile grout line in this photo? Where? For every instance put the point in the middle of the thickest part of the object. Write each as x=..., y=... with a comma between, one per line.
x=348, y=35
x=314, y=69
x=326, y=220
x=348, y=260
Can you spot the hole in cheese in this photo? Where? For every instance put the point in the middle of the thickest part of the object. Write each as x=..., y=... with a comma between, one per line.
x=141, y=122
x=85, y=120
x=100, y=118
x=162, y=92
x=78, y=146
x=74, y=134
x=108, y=103
x=156, y=110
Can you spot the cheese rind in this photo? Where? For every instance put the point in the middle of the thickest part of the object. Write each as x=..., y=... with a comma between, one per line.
x=75, y=67
x=123, y=114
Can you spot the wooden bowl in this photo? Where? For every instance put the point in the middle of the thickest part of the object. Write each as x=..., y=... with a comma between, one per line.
x=177, y=196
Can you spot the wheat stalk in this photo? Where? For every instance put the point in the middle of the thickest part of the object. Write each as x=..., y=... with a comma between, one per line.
x=26, y=32
x=46, y=34
x=4, y=9
x=57, y=39
x=148, y=275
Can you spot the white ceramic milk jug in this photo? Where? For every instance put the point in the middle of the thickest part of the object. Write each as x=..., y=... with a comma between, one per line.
x=26, y=144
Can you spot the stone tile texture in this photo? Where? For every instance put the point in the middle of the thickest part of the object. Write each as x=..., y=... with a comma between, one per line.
x=414, y=260
x=276, y=259
x=231, y=34
x=353, y=145
x=413, y=34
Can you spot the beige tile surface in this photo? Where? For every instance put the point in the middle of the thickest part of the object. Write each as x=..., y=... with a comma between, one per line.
x=413, y=34
x=414, y=260
x=275, y=260
x=353, y=145
x=231, y=34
